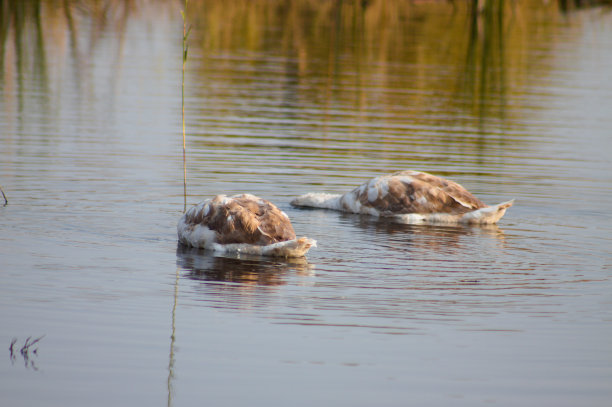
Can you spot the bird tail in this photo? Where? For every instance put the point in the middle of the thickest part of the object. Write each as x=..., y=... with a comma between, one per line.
x=289, y=248
x=489, y=214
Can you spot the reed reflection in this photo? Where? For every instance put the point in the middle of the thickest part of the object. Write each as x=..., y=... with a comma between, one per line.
x=48, y=48
x=367, y=46
x=366, y=56
x=484, y=74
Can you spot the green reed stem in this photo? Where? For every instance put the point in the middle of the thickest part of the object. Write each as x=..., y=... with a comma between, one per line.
x=186, y=31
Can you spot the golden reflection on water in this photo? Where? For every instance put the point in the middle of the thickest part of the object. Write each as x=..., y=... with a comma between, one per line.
x=334, y=50
x=391, y=54
x=351, y=78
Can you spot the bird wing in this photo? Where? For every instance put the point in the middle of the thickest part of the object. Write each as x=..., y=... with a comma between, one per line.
x=416, y=192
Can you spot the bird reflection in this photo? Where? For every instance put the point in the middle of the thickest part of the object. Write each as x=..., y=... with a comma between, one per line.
x=253, y=270
x=399, y=236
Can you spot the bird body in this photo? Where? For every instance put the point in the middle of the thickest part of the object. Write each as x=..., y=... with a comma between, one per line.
x=241, y=224
x=410, y=197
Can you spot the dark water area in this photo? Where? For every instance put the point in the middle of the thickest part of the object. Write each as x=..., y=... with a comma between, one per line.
x=284, y=98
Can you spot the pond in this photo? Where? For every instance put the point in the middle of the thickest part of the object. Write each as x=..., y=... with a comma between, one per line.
x=283, y=98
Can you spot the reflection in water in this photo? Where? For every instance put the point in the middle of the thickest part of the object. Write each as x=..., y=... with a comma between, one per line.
x=399, y=81
x=53, y=44
x=249, y=270
x=484, y=72
x=399, y=236
x=170, y=381
x=342, y=56
x=369, y=47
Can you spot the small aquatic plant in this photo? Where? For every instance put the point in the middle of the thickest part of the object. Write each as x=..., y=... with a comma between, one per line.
x=3, y=196
x=27, y=351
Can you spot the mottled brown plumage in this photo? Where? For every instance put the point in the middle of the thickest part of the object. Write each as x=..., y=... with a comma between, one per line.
x=419, y=192
x=242, y=219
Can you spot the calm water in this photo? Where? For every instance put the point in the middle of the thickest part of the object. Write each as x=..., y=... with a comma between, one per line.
x=284, y=98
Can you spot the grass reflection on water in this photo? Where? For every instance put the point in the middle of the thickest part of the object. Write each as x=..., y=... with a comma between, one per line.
x=363, y=56
x=430, y=82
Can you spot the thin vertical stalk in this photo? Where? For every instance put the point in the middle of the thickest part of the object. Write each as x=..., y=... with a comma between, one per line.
x=3, y=196
x=172, y=341
x=186, y=31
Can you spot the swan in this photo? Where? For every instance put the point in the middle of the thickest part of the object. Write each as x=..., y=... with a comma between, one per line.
x=241, y=224
x=410, y=197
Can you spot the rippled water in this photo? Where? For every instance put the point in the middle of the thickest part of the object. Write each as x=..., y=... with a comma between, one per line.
x=285, y=100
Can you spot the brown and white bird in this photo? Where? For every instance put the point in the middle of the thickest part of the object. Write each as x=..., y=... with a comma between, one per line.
x=410, y=197
x=241, y=224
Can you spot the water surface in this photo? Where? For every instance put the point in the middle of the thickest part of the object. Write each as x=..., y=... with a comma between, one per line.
x=285, y=99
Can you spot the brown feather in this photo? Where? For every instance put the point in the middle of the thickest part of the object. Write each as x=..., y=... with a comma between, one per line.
x=244, y=219
x=418, y=192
